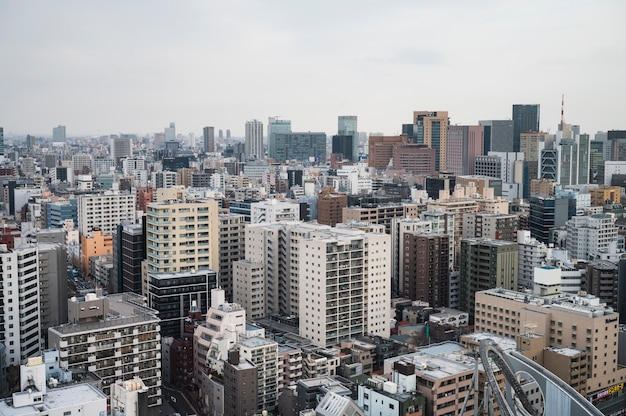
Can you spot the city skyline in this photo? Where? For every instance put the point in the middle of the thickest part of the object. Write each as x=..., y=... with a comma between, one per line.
x=107, y=68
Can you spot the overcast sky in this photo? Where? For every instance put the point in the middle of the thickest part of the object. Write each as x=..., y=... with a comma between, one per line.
x=103, y=67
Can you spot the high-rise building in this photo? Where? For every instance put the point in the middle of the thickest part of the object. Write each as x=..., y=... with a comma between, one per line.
x=232, y=248
x=525, y=120
x=486, y=264
x=381, y=150
x=301, y=147
x=531, y=253
x=601, y=280
x=220, y=134
x=573, y=161
x=53, y=285
x=489, y=225
x=531, y=144
x=121, y=148
x=498, y=135
x=432, y=130
x=417, y=159
x=263, y=354
x=172, y=295
x=464, y=144
x=617, y=140
x=208, y=139
x=426, y=268
x=275, y=125
x=330, y=205
x=129, y=249
x=547, y=213
x=20, y=327
x=589, y=236
x=342, y=145
x=170, y=132
x=603, y=193
x=241, y=386
x=254, y=140
x=116, y=337
x=347, y=126
x=105, y=211
x=58, y=134
x=82, y=163
x=182, y=236
x=1, y=140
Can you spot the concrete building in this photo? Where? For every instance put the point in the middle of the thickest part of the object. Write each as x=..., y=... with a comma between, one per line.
x=105, y=211
x=464, y=145
x=602, y=281
x=381, y=214
x=498, y=135
x=93, y=244
x=129, y=248
x=52, y=285
x=547, y=213
x=36, y=397
x=330, y=206
x=432, y=130
x=121, y=148
x=492, y=226
x=182, y=236
x=425, y=268
x=129, y=397
x=21, y=315
x=250, y=287
x=604, y=193
x=588, y=237
x=163, y=179
x=274, y=210
x=531, y=253
x=254, y=140
x=241, y=386
x=275, y=125
x=82, y=164
x=486, y=264
x=416, y=159
x=232, y=248
x=58, y=134
x=561, y=321
x=300, y=146
x=531, y=144
x=208, y=139
x=263, y=354
x=116, y=337
x=380, y=396
x=381, y=150
x=355, y=297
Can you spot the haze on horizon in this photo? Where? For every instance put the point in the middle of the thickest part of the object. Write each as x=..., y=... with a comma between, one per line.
x=134, y=66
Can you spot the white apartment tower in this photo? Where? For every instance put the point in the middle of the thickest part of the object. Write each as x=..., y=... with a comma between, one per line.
x=344, y=285
x=273, y=210
x=254, y=140
x=19, y=290
x=590, y=236
x=105, y=211
x=531, y=253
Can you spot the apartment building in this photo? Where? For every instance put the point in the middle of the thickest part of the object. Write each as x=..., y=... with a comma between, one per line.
x=489, y=225
x=559, y=321
x=116, y=337
x=263, y=353
x=589, y=236
x=105, y=211
x=231, y=248
x=381, y=213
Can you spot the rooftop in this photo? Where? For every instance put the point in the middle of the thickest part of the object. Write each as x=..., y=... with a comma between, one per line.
x=59, y=398
x=255, y=342
x=570, y=352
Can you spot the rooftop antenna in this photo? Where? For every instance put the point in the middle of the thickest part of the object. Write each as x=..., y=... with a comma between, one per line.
x=562, y=109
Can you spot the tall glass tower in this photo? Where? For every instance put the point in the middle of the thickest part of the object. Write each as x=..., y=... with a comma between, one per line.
x=347, y=126
x=525, y=120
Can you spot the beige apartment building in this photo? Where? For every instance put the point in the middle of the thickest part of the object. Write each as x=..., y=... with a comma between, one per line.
x=566, y=326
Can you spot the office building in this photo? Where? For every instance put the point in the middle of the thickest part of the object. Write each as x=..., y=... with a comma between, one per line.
x=20, y=329
x=498, y=135
x=432, y=130
x=116, y=337
x=547, y=213
x=486, y=264
x=603, y=193
x=464, y=144
x=275, y=125
x=301, y=147
x=82, y=164
x=129, y=248
x=573, y=161
x=561, y=321
x=525, y=120
x=173, y=294
x=170, y=132
x=182, y=236
x=58, y=212
x=254, y=140
x=347, y=127
x=381, y=150
x=58, y=134
x=601, y=281
x=342, y=147
x=617, y=140
x=105, y=211
x=416, y=159
x=531, y=144
x=330, y=206
x=208, y=139
x=425, y=268
x=121, y=148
